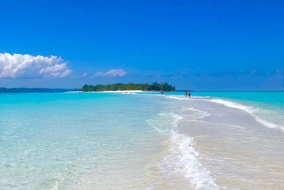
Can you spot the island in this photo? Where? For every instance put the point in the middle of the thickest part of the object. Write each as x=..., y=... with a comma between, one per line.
x=130, y=86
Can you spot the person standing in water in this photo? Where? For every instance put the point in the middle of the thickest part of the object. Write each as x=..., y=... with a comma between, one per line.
x=187, y=93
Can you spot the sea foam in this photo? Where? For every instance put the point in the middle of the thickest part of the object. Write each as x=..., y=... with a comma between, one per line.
x=184, y=157
x=249, y=109
x=177, y=97
x=181, y=161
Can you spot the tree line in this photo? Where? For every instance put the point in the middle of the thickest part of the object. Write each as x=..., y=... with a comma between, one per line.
x=130, y=86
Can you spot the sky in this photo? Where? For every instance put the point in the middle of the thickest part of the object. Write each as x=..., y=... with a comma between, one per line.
x=192, y=44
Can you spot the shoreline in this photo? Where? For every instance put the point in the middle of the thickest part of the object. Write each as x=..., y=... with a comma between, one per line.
x=111, y=91
x=179, y=143
x=121, y=91
x=229, y=144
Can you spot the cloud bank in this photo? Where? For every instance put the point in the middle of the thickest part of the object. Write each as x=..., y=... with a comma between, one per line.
x=112, y=73
x=28, y=66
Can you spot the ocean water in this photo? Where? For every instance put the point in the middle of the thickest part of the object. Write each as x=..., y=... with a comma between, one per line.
x=213, y=140
x=267, y=107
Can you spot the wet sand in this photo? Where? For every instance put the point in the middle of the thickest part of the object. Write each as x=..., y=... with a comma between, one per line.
x=239, y=152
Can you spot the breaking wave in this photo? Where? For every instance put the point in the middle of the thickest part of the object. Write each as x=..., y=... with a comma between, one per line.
x=249, y=109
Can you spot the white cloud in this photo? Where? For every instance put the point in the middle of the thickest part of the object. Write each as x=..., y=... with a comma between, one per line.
x=113, y=73
x=28, y=66
x=85, y=74
x=99, y=74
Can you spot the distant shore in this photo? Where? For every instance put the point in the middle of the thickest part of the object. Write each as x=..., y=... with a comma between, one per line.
x=117, y=91
x=112, y=91
x=129, y=86
x=123, y=91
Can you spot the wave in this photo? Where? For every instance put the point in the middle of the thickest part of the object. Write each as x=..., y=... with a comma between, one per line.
x=177, y=97
x=197, y=114
x=184, y=157
x=269, y=124
x=181, y=162
x=180, y=97
x=230, y=104
x=249, y=109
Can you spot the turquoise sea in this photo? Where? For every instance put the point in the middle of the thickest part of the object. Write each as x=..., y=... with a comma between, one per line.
x=213, y=140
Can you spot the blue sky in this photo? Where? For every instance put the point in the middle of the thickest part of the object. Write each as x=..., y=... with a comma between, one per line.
x=193, y=44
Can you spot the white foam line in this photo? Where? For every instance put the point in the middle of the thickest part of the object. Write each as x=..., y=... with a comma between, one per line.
x=176, y=97
x=183, y=158
x=181, y=97
x=231, y=104
x=268, y=124
x=234, y=105
x=249, y=110
x=205, y=114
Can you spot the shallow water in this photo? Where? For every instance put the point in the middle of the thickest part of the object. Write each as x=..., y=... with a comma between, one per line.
x=239, y=151
x=76, y=141
x=139, y=141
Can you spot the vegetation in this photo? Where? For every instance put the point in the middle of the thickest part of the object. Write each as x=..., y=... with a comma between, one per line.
x=130, y=86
